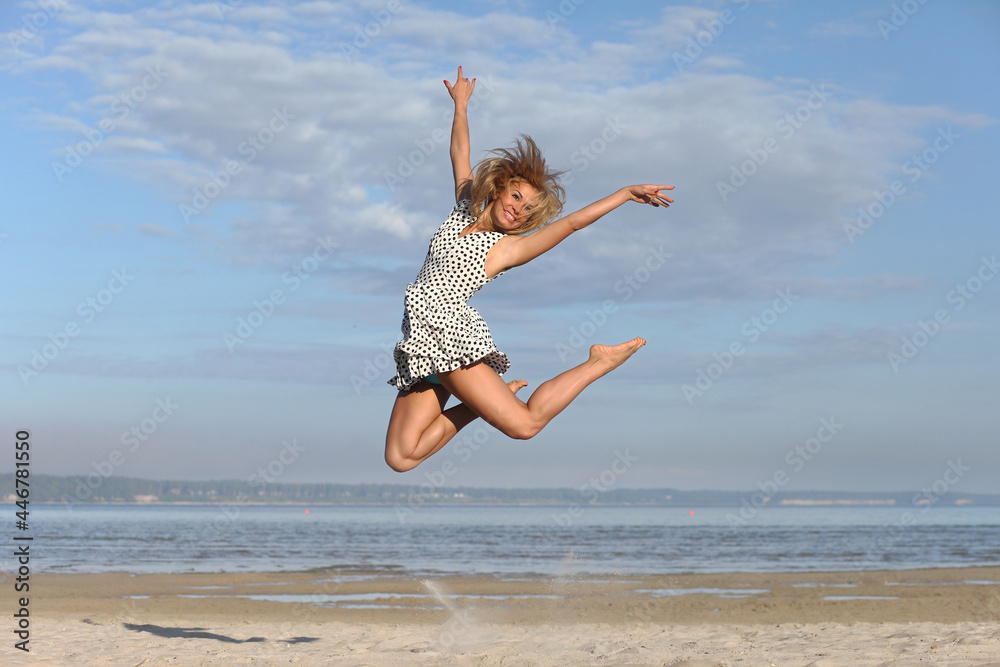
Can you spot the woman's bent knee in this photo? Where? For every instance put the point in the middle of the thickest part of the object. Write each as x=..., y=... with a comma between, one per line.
x=521, y=431
x=398, y=461
x=401, y=464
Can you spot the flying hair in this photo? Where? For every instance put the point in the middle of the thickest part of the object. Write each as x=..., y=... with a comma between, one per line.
x=523, y=163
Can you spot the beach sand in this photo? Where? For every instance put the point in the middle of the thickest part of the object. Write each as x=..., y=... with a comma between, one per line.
x=909, y=617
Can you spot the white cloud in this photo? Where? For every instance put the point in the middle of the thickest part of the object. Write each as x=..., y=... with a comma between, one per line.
x=154, y=230
x=597, y=110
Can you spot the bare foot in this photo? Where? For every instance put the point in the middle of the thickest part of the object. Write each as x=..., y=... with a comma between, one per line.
x=516, y=385
x=611, y=357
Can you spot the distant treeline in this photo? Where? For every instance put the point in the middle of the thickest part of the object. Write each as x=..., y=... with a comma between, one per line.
x=98, y=489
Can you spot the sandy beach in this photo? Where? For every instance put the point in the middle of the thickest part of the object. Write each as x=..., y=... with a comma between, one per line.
x=909, y=617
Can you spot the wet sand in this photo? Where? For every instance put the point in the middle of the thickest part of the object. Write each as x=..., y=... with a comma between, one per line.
x=939, y=616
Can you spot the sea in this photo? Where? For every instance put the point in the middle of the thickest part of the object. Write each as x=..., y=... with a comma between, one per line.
x=506, y=541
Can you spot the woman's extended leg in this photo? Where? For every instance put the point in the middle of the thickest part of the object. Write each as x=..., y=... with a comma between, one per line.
x=484, y=393
x=419, y=424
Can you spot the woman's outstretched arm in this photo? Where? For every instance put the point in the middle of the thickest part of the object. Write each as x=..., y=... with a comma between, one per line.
x=460, y=148
x=516, y=250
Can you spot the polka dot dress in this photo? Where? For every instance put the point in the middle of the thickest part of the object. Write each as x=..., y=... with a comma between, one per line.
x=441, y=332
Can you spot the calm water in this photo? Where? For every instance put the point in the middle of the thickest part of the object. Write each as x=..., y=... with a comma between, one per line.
x=506, y=540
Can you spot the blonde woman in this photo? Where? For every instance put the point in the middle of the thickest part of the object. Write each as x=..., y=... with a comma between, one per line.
x=447, y=349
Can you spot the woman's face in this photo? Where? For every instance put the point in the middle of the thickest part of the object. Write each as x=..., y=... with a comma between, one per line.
x=510, y=210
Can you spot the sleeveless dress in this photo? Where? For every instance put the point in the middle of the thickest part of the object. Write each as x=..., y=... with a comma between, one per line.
x=441, y=332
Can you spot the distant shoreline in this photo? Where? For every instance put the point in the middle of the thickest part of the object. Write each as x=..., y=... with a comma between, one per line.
x=95, y=489
x=301, y=503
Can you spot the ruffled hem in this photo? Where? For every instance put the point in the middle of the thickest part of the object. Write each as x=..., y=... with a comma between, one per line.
x=411, y=370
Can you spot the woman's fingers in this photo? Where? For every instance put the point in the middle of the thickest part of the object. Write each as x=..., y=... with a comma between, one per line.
x=650, y=194
x=656, y=199
x=460, y=80
x=656, y=192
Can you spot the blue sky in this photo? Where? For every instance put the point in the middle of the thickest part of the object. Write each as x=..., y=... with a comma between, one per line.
x=211, y=211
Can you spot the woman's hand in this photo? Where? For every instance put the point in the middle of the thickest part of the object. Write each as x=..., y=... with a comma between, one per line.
x=462, y=90
x=650, y=194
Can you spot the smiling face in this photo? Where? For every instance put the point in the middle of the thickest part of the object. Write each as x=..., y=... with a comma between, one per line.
x=510, y=210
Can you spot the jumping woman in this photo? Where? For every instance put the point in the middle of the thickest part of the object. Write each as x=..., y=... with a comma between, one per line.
x=447, y=349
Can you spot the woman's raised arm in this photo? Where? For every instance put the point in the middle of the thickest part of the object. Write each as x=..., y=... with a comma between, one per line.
x=517, y=250
x=461, y=163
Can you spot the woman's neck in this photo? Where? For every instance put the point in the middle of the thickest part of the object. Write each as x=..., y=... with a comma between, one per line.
x=478, y=225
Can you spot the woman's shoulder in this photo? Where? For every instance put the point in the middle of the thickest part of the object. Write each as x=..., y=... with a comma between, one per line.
x=456, y=221
x=460, y=214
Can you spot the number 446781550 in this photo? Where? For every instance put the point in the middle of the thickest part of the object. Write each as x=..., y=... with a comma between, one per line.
x=21, y=488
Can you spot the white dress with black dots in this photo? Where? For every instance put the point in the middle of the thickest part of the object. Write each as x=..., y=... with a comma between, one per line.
x=441, y=332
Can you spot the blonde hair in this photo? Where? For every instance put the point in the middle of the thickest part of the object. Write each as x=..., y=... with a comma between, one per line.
x=523, y=163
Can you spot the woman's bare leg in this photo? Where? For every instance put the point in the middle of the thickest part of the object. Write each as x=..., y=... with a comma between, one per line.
x=419, y=425
x=481, y=389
